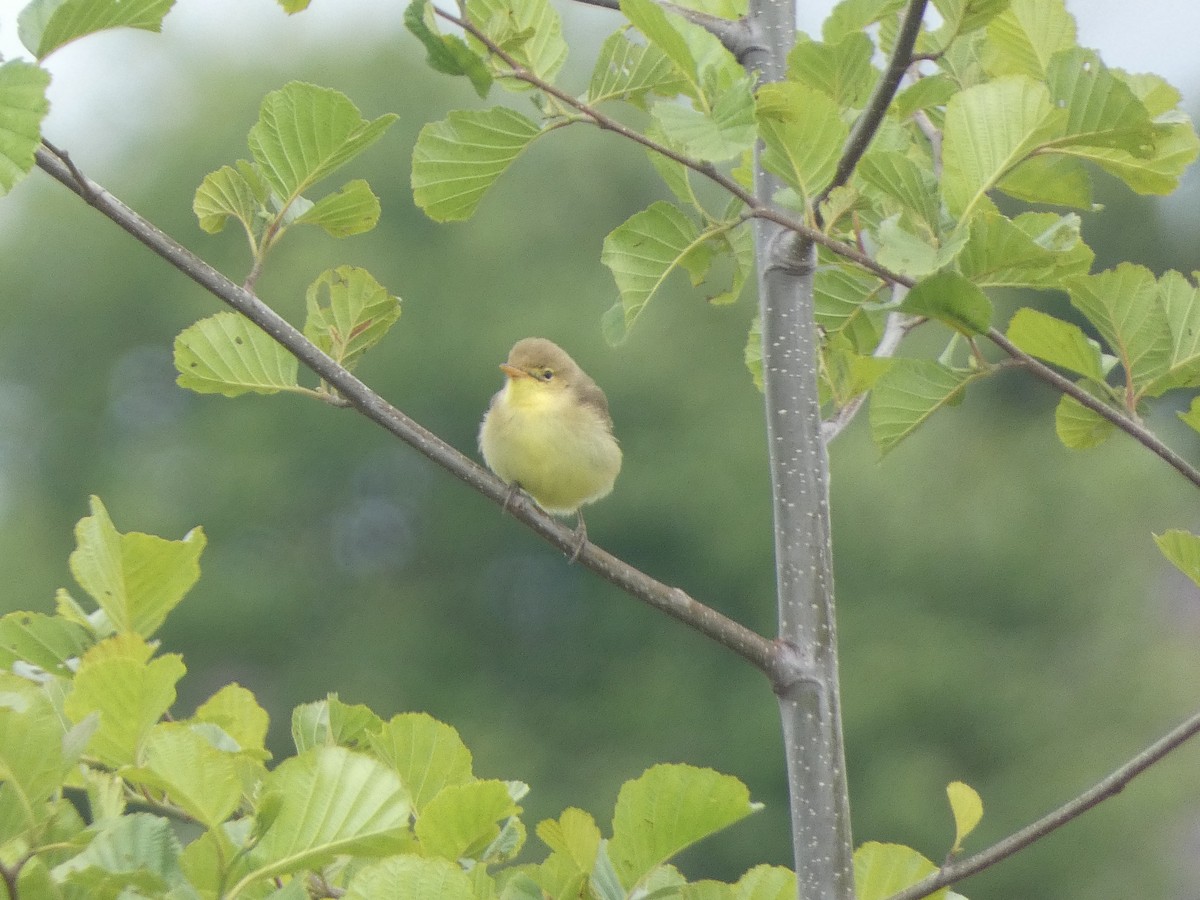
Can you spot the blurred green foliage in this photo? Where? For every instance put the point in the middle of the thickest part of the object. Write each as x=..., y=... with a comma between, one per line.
x=1005, y=618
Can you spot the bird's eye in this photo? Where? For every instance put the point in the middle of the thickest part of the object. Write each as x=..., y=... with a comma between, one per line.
x=547, y=374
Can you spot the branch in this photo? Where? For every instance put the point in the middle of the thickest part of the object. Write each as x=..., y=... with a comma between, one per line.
x=1128, y=424
x=876, y=108
x=1108, y=787
x=764, y=654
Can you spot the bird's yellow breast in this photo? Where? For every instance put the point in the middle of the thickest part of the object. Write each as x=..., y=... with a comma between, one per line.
x=558, y=449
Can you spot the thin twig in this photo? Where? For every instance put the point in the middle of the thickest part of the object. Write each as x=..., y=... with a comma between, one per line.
x=1110, y=786
x=1128, y=424
x=764, y=654
x=885, y=91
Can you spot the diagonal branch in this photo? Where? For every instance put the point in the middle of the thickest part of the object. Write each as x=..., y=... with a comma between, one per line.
x=877, y=107
x=764, y=654
x=1107, y=787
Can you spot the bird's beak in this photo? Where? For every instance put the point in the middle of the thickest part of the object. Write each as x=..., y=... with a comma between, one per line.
x=513, y=371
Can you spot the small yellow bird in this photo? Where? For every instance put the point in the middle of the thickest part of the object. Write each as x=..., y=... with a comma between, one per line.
x=548, y=431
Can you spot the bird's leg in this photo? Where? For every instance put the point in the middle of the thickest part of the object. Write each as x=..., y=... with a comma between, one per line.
x=514, y=488
x=581, y=537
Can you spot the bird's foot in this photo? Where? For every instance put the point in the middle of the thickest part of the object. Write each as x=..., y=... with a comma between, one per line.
x=581, y=537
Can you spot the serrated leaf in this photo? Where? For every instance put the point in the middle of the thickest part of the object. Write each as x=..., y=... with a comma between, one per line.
x=32, y=765
x=231, y=192
x=898, y=177
x=989, y=129
x=352, y=210
x=1102, y=110
x=643, y=251
x=228, y=354
x=765, y=883
x=40, y=640
x=446, y=53
x=129, y=691
x=1176, y=147
x=839, y=295
x=649, y=18
x=915, y=254
x=349, y=312
x=412, y=876
x=668, y=808
x=45, y=25
x=293, y=6
x=628, y=71
x=1052, y=179
x=967, y=808
x=1056, y=342
x=138, y=850
x=461, y=820
x=753, y=353
x=330, y=722
x=1183, y=550
x=803, y=134
x=722, y=132
x=456, y=160
x=909, y=393
x=304, y=133
x=1022, y=39
x=1123, y=305
x=1180, y=302
x=850, y=16
x=881, y=870
x=23, y=105
x=195, y=776
x=427, y=754
x=574, y=835
x=235, y=711
x=530, y=30
x=841, y=71
x=324, y=803
x=1035, y=250
x=137, y=579
x=1078, y=427
x=951, y=299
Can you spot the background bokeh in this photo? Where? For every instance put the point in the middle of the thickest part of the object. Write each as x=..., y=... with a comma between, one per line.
x=1004, y=616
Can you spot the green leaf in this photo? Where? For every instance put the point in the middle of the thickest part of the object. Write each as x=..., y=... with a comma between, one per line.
x=896, y=176
x=228, y=354
x=137, y=579
x=1180, y=302
x=1176, y=147
x=854, y=15
x=628, y=71
x=967, y=808
x=304, y=133
x=130, y=692
x=915, y=255
x=1102, y=110
x=1022, y=39
x=349, y=312
x=40, y=640
x=643, y=251
x=725, y=131
x=1053, y=179
x=668, y=808
x=530, y=30
x=427, y=754
x=231, y=192
x=1078, y=427
x=456, y=160
x=1035, y=250
x=841, y=71
x=881, y=870
x=23, y=105
x=909, y=393
x=461, y=820
x=574, y=836
x=197, y=777
x=330, y=722
x=1123, y=305
x=352, y=210
x=648, y=18
x=765, y=883
x=839, y=295
x=45, y=25
x=293, y=6
x=989, y=129
x=1056, y=342
x=32, y=764
x=952, y=299
x=324, y=803
x=1183, y=550
x=447, y=53
x=138, y=851
x=803, y=133
x=412, y=876
x=753, y=353
x=234, y=710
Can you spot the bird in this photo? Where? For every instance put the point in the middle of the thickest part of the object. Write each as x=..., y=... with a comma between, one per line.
x=548, y=432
